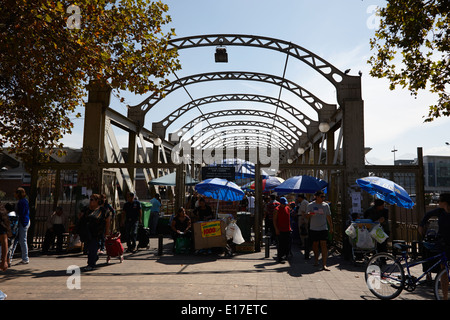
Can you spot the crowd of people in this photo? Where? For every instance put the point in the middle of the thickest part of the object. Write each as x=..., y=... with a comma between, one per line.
x=312, y=220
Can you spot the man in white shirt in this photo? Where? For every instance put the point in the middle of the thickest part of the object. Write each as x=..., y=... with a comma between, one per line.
x=251, y=204
x=302, y=205
x=319, y=215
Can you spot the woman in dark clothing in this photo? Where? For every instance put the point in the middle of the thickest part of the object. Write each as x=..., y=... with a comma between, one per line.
x=94, y=223
x=181, y=226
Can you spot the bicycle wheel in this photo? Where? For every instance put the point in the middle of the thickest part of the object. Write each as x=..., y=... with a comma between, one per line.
x=441, y=285
x=384, y=276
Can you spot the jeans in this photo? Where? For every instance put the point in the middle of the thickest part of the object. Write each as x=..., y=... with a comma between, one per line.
x=21, y=238
x=131, y=228
x=92, y=248
x=153, y=222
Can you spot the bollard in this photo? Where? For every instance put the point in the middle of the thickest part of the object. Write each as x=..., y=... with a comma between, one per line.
x=266, y=243
x=160, y=244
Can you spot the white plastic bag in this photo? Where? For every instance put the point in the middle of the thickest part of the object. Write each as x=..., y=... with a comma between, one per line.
x=231, y=228
x=351, y=231
x=364, y=240
x=234, y=232
x=378, y=234
x=237, y=237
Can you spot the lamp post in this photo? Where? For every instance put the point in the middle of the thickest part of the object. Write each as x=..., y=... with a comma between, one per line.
x=394, y=151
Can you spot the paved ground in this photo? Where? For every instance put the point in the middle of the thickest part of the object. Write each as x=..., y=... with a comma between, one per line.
x=146, y=276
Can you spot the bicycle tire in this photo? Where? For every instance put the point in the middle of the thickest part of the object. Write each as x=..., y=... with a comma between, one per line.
x=438, y=285
x=384, y=276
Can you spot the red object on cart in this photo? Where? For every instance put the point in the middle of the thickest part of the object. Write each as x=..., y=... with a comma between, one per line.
x=114, y=247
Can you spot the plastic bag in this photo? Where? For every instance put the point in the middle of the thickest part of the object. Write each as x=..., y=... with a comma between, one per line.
x=378, y=234
x=364, y=240
x=231, y=228
x=351, y=231
x=237, y=237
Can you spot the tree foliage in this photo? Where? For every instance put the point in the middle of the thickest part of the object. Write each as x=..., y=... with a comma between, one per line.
x=45, y=63
x=417, y=33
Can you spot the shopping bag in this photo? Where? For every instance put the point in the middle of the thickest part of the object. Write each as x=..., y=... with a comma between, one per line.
x=351, y=231
x=378, y=234
x=364, y=240
x=231, y=228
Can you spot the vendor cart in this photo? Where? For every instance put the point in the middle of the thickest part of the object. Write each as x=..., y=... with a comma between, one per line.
x=362, y=243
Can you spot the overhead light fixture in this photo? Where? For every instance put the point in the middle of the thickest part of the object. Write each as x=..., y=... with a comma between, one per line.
x=301, y=150
x=324, y=127
x=221, y=54
x=157, y=142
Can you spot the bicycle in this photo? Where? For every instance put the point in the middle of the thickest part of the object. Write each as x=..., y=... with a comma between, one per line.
x=385, y=275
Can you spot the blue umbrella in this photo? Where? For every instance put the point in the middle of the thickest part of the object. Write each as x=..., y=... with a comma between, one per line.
x=386, y=190
x=220, y=189
x=301, y=184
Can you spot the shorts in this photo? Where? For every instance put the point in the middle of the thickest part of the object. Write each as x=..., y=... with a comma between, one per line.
x=315, y=235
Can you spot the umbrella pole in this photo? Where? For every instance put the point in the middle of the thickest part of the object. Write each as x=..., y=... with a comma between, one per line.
x=217, y=209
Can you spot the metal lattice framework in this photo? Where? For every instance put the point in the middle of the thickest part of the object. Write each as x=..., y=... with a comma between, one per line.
x=243, y=133
x=327, y=70
x=138, y=112
x=297, y=114
x=251, y=125
x=288, y=124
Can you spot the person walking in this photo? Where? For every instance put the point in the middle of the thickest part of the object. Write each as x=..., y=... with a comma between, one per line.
x=319, y=216
x=282, y=227
x=132, y=217
x=268, y=217
x=97, y=220
x=23, y=212
x=302, y=205
x=154, y=213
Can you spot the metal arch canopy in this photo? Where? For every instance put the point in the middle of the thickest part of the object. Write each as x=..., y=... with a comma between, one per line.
x=243, y=123
x=326, y=69
x=291, y=86
x=252, y=113
x=247, y=132
x=171, y=118
x=246, y=140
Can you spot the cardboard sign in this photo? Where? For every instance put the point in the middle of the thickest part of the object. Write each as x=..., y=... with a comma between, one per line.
x=211, y=229
x=209, y=234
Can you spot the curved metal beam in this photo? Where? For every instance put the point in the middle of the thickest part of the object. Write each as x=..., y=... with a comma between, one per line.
x=246, y=140
x=241, y=123
x=141, y=109
x=252, y=113
x=326, y=69
x=162, y=125
x=243, y=132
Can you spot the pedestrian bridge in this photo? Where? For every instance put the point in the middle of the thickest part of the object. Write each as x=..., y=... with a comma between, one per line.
x=302, y=135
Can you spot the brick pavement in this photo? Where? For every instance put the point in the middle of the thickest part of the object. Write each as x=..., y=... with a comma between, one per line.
x=146, y=276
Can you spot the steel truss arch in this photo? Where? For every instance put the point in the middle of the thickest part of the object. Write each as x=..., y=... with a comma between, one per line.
x=326, y=69
x=246, y=141
x=238, y=123
x=138, y=112
x=239, y=112
x=171, y=118
x=245, y=132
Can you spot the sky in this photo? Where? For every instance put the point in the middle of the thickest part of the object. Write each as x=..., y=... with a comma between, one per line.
x=337, y=31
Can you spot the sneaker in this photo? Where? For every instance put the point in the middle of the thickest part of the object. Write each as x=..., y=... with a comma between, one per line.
x=88, y=268
x=24, y=262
